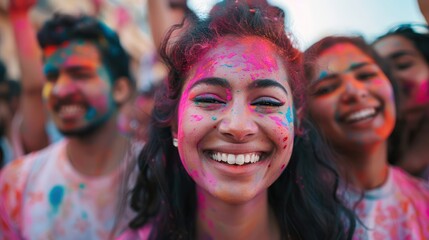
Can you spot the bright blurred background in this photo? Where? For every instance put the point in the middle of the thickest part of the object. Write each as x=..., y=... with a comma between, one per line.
x=309, y=20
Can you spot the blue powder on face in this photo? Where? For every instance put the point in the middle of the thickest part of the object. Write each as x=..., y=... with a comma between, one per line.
x=323, y=74
x=91, y=113
x=289, y=115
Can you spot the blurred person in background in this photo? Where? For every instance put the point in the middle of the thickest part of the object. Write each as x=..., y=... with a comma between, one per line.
x=406, y=48
x=70, y=189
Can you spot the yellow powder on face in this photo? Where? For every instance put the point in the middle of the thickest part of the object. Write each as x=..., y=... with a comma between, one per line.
x=47, y=89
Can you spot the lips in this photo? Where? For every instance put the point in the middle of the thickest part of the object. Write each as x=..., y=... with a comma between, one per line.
x=236, y=159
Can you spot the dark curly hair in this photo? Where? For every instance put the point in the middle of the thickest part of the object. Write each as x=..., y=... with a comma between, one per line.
x=63, y=27
x=304, y=197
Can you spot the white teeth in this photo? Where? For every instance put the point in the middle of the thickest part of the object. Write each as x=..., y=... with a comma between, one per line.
x=233, y=159
x=359, y=115
x=71, y=109
x=239, y=159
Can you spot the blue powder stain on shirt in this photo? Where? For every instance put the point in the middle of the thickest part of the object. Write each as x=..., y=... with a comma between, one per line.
x=289, y=115
x=56, y=197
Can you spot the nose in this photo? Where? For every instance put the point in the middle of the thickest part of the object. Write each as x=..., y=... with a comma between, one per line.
x=238, y=123
x=63, y=87
x=354, y=90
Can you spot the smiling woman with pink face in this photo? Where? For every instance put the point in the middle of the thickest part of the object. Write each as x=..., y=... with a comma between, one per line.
x=352, y=101
x=406, y=48
x=227, y=155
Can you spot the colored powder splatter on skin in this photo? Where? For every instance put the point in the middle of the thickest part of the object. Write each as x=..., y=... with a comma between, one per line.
x=82, y=186
x=214, y=118
x=423, y=93
x=279, y=121
x=323, y=74
x=226, y=65
x=283, y=167
x=228, y=95
x=197, y=117
x=90, y=113
x=56, y=196
x=289, y=115
x=47, y=89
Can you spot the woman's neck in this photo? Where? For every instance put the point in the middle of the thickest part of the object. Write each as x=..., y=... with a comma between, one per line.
x=365, y=168
x=219, y=220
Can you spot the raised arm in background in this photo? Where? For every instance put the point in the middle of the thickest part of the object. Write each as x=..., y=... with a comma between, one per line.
x=32, y=129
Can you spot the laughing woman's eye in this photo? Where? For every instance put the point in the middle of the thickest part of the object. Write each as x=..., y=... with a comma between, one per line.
x=366, y=75
x=403, y=66
x=209, y=102
x=324, y=89
x=267, y=102
x=207, y=99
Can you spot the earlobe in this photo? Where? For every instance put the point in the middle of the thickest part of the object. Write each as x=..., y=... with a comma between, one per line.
x=122, y=90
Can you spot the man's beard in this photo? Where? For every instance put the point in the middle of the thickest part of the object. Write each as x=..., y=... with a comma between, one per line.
x=88, y=130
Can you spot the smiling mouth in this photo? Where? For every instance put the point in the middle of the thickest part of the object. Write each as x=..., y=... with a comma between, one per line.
x=70, y=110
x=361, y=115
x=236, y=159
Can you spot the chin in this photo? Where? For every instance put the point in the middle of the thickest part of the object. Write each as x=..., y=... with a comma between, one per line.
x=81, y=132
x=235, y=196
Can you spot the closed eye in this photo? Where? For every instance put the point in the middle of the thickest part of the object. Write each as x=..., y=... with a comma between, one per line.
x=323, y=89
x=403, y=66
x=366, y=75
x=208, y=99
x=267, y=102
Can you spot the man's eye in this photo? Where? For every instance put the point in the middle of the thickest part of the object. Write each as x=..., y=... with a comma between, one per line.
x=51, y=77
x=82, y=75
x=267, y=102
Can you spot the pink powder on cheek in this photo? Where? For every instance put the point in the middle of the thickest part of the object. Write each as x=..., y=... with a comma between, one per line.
x=278, y=121
x=422, y=95
x=197, y=117
x=228, y=94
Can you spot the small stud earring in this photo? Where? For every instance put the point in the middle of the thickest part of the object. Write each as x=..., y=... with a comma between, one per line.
x=175, y=142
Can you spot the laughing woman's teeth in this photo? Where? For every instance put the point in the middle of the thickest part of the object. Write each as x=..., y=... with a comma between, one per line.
x=233, y=159
x=240, y=159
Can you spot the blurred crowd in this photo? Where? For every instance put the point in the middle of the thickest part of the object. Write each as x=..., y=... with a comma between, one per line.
x=79, y=82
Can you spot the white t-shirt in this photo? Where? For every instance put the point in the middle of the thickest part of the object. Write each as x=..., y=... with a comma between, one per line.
x=43, y=197
x=397, y=210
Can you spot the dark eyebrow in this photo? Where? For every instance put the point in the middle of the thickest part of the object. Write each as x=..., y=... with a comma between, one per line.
x=399, y=54
x=324, y=76
x=213, y=81
x=266, y=83
x=355, y=66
